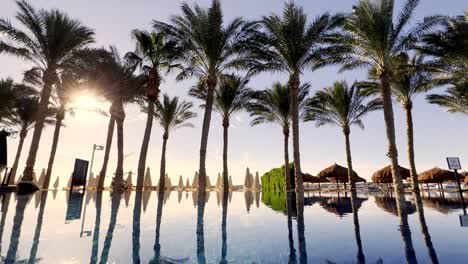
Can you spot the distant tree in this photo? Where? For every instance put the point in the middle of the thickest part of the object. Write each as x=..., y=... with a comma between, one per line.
x=343, y=106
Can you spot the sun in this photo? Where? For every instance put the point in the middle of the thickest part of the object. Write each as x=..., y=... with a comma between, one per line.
x=88, y=101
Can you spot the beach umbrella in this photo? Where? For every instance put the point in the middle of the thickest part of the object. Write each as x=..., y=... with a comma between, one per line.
x=167, y=183
x=128, y=182
x=442, y=204
x=219, y=183
x=208, y=182
x=338, y=174
x=388, y=204
x=148, y=183
x=195, y=181
x=384, y=175
x=341, y=206
x=179, y=197
x=180, y=185
x=306, y=177
x=249, y=200
x=436, y=175
x=56, y=183
x=40, y=181
x=146, y=198
x=187, y=185
x=231, y=186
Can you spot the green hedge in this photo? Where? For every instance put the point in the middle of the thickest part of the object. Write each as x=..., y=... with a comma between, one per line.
x=273, y=188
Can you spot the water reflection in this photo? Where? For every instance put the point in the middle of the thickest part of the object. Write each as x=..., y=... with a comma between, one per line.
x=21, y=202
x=115, y=204
x=424, y=228
x=358, y=228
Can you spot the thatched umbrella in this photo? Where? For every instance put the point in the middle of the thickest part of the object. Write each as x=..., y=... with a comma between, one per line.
x=388, y=204
x=340, y=206
x=384, y=175
x=306, y=177
x=436, y=175
x=339, y=174
x=442, y=204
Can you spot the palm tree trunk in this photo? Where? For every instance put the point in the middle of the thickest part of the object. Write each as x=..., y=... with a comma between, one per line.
x=162, y=172
x=157, y=246
x=144, y=146
x=410, y=137
x=110, y=135
x=58, y=125
x=287, y=171
x=48, y=80
x=294, y=90
x=225, y=156
x=348, y=159
x=405, y=232
x=14, y=169
x=211, y=83
x=390, y=130
x=289, y=211
x=120, y=117
x=224, y=228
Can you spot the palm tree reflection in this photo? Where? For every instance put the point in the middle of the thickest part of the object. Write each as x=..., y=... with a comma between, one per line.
x=361, y=259
x=289, y=210
x=21, y=203
x=301, y=231
x=157, y=246
x=136, y=227
x=223, y=228
x=115, y=204
x=405, y=231
x=424, y=229
x=37, y=232
x=200, y=230
x=97, y=224
x=5, y=204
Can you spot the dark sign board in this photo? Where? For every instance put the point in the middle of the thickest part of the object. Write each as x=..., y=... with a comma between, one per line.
x=3, y=148
x=75, y=202
x=79, y=173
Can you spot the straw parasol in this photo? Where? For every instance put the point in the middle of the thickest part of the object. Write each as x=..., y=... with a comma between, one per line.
x=338, y=174
x=180, y=186
x=384, y=175
x=306, y=177
x=256, y=184
x=340, y=206
x=388, y=204
x=442, y=204
x=436, y=175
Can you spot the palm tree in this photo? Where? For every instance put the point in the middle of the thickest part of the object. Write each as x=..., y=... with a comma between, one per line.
x=443, y=38
x=6, y=97
x=22, y=113
x=343, y=106
x=115, y=80
x=171, y=114
x=273, y=106
x=455, y=98
x=231, y=96
x=208, y=47
x=288, y=43
x=151, y=55
x=53, y=42
x=407, y=81
x=373, y=39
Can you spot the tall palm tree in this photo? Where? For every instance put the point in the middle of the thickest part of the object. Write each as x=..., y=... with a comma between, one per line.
x=231, y=96
x=208, y=47
x=152, y=54
x=52, y=42
x=171, y=114
x=6, y=97
x=23, y=105
x=407, y=81
x=455, y=98
x=291, y=44
x=373, y=39
x=343, y=106
x=273, y=106
x=115, y=80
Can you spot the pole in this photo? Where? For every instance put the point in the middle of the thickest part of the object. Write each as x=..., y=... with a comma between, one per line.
x=91, y=165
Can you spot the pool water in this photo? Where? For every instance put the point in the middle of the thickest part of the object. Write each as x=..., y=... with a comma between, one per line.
x=141, y=227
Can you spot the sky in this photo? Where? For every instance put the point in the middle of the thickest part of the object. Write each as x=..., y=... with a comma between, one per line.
x=438, y=134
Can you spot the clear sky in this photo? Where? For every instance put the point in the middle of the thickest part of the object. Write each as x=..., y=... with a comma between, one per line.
x=437, y=134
